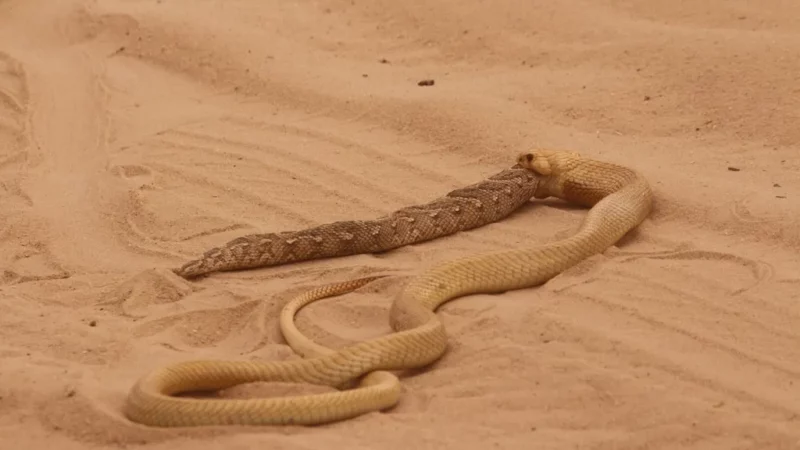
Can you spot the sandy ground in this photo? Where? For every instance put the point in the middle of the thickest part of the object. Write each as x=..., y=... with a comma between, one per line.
x=136, y=134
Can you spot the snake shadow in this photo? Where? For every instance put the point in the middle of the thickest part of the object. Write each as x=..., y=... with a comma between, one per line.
x=562, y=205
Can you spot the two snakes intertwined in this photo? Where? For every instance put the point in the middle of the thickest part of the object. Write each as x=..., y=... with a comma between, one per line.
x=619, y=200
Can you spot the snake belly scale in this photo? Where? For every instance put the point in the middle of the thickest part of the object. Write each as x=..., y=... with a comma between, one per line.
x=619, y=200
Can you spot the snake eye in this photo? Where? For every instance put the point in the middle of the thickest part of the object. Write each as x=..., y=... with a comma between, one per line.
x=529, y=157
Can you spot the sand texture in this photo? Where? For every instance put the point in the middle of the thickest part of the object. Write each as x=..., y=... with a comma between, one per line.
x=134, y=135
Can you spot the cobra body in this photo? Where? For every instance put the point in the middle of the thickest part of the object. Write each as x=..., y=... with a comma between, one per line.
x=619, y=198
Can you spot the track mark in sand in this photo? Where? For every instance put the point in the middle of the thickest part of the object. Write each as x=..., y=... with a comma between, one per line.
x=23, y=256
x=145, y=231
x=388, y=158
x=685, y=361
x=619, y=384
x=140, y=174
x=728, y=300
x=741, y=212
x=47, y=344
x=693, y=322
x=14, y=113
x=67, y=416
x=760, y=270
x=291, y=164
x=236, y=199
x=137, y=227
x=36, y=263
x=240, y=183
x=644, y=306
x=24, y=262
x=12, y=195
x=169, y=310
x=364, y=169
x=195, y=186
x=135, y=296
x=154, y=216
x=205, y=327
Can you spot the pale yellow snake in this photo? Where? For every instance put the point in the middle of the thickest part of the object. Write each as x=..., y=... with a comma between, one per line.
x=620, y=199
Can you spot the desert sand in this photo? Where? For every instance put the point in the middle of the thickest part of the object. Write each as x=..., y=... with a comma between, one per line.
x=134, y=135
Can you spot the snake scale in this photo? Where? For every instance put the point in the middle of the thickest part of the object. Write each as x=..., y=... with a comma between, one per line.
x=619, y=199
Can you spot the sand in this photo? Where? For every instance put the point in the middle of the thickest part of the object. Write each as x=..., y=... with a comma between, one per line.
x=134, y=135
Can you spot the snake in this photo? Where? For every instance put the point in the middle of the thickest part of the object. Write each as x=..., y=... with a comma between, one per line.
x=619, y=199
x=462, y=209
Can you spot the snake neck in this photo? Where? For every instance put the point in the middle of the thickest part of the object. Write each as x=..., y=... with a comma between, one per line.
x=587, y=182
